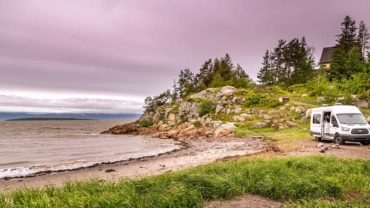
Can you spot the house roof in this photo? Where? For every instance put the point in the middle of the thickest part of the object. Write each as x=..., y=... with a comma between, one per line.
x=326, y=55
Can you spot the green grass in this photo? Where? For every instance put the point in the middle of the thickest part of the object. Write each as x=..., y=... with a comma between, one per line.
x=311, y=181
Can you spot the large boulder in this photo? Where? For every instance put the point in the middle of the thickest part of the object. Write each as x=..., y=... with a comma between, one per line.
x=309, y=113
x=219, y=108
x=167, y=111
x=300, y=110
x=227, y=90
x=201, y=94
x=238, y=110
x=259, y=124
x=225, y=130
x=194, y=110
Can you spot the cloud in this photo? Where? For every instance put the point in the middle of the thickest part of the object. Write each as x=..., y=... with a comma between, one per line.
x=68, y=105
x=126, y=48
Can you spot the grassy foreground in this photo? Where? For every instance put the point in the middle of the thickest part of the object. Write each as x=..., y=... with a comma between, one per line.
x=310, y=181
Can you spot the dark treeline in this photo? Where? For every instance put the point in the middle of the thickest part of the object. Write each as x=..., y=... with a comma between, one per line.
x=289, y=63
x=292, y=62
x=213, y=73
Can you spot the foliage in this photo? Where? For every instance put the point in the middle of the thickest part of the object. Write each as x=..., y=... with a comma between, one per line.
x=151, y=103
x=347, y=54
x=278, y=178
x=146, y=123
x=255, y=99
x=273, y=103
x=197, y=124
x=289, y=63
x=217, y=73
x=206, y=106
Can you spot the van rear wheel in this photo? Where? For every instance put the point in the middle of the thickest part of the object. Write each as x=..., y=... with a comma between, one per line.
x=365, y=143
x=338, y=140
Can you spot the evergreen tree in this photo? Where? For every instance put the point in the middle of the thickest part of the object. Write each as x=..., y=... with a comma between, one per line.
x=346, y=42
x=347, y=38
x=363, y=38
x=186, y=83
x=264, y=75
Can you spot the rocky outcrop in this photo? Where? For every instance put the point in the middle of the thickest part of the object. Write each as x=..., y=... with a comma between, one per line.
x=181, y=119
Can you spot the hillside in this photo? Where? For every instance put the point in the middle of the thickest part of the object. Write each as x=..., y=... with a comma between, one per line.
x=221, y=112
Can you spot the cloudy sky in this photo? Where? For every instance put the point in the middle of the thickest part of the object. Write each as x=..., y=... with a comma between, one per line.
x=107, y=55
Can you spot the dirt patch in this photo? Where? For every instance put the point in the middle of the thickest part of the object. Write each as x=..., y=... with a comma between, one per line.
x=246, y=201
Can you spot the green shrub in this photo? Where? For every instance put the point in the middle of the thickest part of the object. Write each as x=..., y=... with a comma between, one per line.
x=255, y=99
x=146, y=123
x=197, y=124
x=274, y=103
x=206, y=106
x=364, y=95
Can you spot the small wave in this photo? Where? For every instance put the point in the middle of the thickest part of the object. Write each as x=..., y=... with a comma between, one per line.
x=14, y=163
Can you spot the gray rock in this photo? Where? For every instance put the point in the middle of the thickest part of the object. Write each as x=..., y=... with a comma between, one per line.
x=238, y=110
x=300, y=110
x=216, y=124
x=304, y=95
x=171, y=117
x=225, y=130
x=227, y=90
x=259, y=124
x=304, y=118
x=201, y=94
x=309, y=113
x=194, y=110
x=320, y=99
x=219, y=108
x=238, y=118
x=167, y=111
x=265, y=116
x=319, y=145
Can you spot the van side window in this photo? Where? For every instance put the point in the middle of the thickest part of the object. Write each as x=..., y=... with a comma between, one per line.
x=316, y=118
x=334, y=121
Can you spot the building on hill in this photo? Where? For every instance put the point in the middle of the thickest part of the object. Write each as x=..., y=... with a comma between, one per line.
x=325, y=59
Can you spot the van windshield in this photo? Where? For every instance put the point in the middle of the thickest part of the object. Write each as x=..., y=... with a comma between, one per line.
x=351, y=118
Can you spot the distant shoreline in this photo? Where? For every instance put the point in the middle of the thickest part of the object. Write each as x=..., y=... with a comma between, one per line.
x=47, y=119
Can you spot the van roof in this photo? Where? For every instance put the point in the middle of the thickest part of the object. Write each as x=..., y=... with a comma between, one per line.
x=338, y=109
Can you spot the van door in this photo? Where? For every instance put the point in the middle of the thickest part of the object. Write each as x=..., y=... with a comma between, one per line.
x=316, y=122
x=334, y=125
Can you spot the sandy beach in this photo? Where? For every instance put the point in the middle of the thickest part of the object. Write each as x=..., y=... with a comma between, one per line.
x=199, y=152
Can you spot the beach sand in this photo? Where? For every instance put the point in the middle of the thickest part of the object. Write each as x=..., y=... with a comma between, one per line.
x=199, y=152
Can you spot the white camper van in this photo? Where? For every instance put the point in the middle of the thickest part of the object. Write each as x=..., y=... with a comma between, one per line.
x=339, y=123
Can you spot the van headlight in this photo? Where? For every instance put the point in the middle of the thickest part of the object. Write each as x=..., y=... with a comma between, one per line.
x=344, y=128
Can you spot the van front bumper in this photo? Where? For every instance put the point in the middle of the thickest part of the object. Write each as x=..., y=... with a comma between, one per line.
x=355, y=137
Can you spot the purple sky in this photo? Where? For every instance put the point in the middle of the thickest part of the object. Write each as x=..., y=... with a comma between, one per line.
x=108, y=55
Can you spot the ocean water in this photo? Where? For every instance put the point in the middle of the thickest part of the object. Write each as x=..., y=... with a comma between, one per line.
x=28, y=147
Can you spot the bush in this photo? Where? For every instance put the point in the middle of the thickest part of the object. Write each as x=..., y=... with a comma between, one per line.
x=254, y=99
x=197, y=124
x=146, y=123
x=206, y=106
x=274, y=103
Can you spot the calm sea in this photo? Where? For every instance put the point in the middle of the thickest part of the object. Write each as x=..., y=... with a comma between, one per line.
x=28, y=147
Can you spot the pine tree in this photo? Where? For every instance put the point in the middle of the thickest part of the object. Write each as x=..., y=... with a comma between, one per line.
x=363, y=38
x=347, y=38
x=346, y=41
x=264, y=75
x=186, y=83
